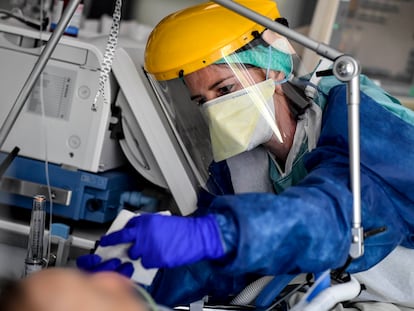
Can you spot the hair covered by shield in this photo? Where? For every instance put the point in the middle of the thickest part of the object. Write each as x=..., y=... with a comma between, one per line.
x=200, y=35
x=200, y=41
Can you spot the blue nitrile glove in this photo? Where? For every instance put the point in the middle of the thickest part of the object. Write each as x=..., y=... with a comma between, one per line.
x=169, y=241
x=94, y=263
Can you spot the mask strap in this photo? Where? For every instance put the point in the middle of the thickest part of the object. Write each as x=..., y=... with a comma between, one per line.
x=286, y=79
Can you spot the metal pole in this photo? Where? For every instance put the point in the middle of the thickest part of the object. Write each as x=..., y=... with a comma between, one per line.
x=357, y=247
x=37, y=70
x=318, y=47
x=345, y=69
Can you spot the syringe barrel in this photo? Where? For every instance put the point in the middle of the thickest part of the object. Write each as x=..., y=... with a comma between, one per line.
x=37, y=230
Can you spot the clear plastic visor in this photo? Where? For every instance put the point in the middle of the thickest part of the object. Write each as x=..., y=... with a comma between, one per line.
x=235, y=104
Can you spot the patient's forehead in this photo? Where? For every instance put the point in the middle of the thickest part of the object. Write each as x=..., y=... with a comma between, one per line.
x=60, y=289
x=56, y=279
x=55, y=288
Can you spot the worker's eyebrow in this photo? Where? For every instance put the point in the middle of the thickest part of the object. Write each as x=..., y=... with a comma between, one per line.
x=193, y=97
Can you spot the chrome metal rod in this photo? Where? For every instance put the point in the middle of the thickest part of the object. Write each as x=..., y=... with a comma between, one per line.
x=353, y=134
x=318, y=47
x=353, y=98
x=37, y=70
x=77, y=241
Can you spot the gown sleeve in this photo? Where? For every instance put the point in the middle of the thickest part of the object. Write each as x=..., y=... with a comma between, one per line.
x=307, y=228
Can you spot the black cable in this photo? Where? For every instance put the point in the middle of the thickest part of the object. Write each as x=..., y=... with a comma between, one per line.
x=27, y=21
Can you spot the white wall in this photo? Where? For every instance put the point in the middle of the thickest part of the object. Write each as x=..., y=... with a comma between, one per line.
x=150, y=12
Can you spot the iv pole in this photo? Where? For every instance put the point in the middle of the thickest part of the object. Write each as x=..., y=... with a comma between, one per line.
x=345, y=69
x=37, y=70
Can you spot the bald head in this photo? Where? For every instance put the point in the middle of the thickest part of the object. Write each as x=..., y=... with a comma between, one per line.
x=61, y=289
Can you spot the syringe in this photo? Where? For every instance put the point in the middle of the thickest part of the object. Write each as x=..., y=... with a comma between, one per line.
x=34, y=260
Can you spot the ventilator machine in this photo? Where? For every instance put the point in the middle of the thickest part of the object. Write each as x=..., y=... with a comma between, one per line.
x=87, y=150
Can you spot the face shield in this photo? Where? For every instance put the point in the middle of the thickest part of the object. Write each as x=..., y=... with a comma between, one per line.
x=236, y=103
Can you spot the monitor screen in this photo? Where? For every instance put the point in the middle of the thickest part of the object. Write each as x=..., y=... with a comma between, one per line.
x=380, y=35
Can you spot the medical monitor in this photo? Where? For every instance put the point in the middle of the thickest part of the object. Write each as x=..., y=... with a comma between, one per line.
x=59, y=105
x=159, y=142
x=166, y=146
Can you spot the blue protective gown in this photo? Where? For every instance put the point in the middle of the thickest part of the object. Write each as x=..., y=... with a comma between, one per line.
x=307, y=228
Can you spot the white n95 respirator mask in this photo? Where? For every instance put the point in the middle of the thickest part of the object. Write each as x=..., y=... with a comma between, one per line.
x=242, y=120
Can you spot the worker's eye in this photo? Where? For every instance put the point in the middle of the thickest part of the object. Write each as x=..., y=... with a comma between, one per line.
x=225, y=89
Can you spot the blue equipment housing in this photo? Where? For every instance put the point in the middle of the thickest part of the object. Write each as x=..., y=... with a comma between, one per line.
x=78, y=195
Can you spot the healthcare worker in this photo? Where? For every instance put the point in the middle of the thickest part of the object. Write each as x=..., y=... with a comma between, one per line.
x=279, y=199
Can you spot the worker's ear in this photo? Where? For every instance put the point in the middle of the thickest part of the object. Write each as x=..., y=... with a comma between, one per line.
x=276, y=76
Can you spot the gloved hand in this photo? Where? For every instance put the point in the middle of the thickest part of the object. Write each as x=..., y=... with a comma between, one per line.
x=169, y=241
x=94, y=263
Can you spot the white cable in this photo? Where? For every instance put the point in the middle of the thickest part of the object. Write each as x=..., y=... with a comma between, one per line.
x=327, y=299
x=249, y=293
x=109, y=53
x=45, y=136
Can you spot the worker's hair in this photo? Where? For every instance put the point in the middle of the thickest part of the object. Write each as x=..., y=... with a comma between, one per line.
x=12, y=296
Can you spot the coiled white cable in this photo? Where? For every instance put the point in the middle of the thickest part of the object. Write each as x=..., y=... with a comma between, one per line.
x=109, y=53
x=248, y=294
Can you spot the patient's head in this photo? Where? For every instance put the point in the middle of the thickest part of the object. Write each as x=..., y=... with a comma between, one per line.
x=61, y=289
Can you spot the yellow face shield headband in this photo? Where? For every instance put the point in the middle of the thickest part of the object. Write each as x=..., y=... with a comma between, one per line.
x=193, y=38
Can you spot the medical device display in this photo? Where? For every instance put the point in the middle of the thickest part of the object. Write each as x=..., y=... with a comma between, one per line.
x=85, y=163
x=66, y=89
x=34, y=260
x=154, y=140
x=390, y=61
